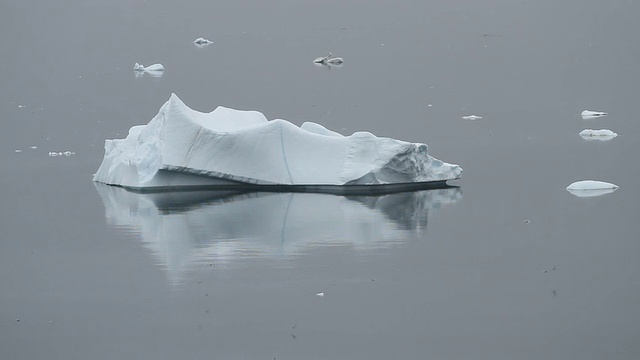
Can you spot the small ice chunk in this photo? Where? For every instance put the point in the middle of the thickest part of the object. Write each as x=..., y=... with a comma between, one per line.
x=472, y=117
x=602, y=134
x=320, y=294
x=329, y=60
x=154, y=67
x=21, y=106
x=591, y=185
x=18, y=150
x=202, y=41
x=590, y=188
x=589, y=114
x=60, y=153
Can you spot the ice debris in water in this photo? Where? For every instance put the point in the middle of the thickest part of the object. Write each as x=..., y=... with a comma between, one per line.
x=202, y=41
x=472, y=117
x=154, y=67
x=33, y=147
x=321, y=294
x=329, y=60
x=60, y=153
x=589, y=188
x=602, y=134
x=182, y=147
x=18, y=150
x=589, y=114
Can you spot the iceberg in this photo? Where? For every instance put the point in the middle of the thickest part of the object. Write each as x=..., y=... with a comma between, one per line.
x=590, y=188
x=181, y=148
x=472, y=117
x=602, y=134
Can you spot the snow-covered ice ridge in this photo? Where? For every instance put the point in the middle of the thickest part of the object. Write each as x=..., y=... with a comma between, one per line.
x=182, y=147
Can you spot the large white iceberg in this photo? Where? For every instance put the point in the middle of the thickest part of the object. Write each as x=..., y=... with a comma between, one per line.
x=182, y=147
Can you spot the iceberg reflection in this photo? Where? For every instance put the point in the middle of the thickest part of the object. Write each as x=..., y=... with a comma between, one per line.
x=183, y=228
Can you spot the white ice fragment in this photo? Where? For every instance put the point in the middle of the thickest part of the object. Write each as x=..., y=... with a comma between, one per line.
x=591, y=185
x=602, y=134
x=472, y=117
x=154, y=67
x=589, y=188
x=228, y=146
x=150, y=68
x=320, y=294
x=21, y=106
x=329, y=60
x=33, y=147
x=591, y=193
x=202, y=41
x=18, y=150
x=60, y=153
x=589, y=114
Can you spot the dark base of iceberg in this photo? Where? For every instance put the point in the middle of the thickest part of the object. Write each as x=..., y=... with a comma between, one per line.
x=190, y=182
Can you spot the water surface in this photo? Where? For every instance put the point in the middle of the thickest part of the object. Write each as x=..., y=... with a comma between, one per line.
x=510, y=265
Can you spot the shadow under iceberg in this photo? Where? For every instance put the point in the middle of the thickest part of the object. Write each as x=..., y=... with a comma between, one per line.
x=183, y=228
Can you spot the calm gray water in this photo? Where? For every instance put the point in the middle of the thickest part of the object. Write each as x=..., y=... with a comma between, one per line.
x=508, y=266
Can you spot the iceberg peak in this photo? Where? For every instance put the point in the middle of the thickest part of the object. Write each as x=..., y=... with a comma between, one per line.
x=181, y=147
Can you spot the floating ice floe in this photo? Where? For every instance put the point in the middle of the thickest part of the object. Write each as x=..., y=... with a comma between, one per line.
x=202, y=41
x=320, y=294
x=153, y=70
x=181, y=147
x=602, y=134
x=60, y=153
x=329, y=60
x=472, y=117
x=589, y=188
x=18, y=150
x=588, y=114
x=33, y=147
